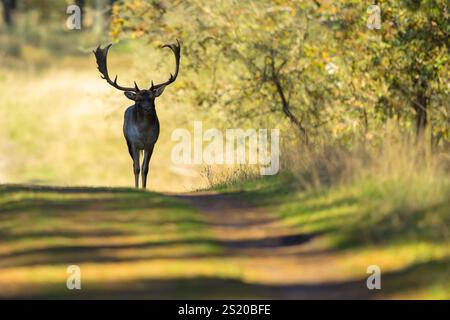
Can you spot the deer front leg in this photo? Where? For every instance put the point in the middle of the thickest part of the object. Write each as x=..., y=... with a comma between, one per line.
x=145, y=166
x=136, y=169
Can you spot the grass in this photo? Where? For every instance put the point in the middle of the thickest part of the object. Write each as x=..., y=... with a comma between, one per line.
x=397, y=221
x=114, y=235
x=136, y=244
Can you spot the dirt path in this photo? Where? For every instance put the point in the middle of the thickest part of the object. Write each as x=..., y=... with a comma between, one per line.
x=148, y=246
x=277, y=261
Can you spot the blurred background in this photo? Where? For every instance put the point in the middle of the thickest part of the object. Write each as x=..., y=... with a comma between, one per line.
x=60, y=122
x=311, y=68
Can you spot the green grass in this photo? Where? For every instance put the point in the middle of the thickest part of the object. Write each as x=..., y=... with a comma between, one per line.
x=400, y=224
x=45, y=229
x=139, y=244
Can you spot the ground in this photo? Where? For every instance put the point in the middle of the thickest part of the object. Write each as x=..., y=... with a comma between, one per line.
x=211, y=244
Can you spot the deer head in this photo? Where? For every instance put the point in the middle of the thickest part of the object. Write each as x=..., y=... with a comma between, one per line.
x=144, y=98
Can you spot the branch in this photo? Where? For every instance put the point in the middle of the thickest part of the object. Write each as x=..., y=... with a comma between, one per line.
x=284, y=102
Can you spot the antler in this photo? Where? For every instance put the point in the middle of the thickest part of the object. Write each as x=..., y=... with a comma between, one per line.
x=101, y=56
x=176, y=49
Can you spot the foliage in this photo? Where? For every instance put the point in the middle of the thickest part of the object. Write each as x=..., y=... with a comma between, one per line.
x=409, y=54
x=314, y=63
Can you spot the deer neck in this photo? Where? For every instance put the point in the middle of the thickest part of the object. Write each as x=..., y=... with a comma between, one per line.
x=144, y=117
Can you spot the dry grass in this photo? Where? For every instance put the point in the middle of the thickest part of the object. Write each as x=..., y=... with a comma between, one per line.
x=224, y=176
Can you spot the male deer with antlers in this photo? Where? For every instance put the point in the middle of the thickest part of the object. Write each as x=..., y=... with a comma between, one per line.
x=141, y=125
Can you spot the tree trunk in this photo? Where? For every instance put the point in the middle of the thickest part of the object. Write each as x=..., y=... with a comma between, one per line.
x=111, y=4
x=286, y=108
x=287, y=112
x=8, y=8
x=421, y=108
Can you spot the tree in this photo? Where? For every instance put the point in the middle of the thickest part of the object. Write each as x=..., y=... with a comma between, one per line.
x=314, y=63
x=417, y=42
x=266, y=55
x=8, y=7
x=411, y=54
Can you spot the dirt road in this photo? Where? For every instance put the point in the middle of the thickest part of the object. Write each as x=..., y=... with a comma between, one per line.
x=288, y=264
x=133, y=244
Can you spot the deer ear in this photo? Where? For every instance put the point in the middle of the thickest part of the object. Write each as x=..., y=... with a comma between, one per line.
x=130, y=95
x=157, y=92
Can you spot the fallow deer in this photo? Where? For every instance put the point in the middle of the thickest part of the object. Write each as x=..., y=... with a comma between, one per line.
x=141, y=125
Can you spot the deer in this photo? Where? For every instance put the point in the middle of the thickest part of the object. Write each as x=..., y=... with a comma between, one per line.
x=141, y=124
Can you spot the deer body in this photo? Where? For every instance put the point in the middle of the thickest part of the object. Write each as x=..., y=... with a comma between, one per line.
x=141, y=131
x=141, y=124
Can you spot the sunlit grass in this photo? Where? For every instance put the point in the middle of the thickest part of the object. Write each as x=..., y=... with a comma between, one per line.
x=391, y=211
x=113, y=234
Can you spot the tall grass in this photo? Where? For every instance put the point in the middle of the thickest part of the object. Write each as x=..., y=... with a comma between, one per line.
x=221, y=176
x=400, y=190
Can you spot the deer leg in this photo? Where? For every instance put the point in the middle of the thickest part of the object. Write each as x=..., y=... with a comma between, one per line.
x=145, y=166
x=136, y=168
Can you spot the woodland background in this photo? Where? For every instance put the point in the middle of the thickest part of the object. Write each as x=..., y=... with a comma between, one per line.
x=364, y=115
